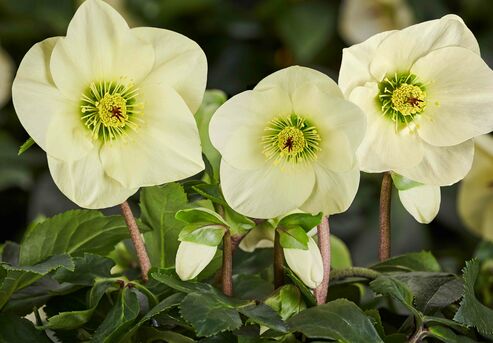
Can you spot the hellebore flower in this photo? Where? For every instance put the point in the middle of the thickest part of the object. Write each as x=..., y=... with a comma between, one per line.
x=360, y=19
x=289, y=143
x=192, y=258
x=475, y=200
x=112, y=106
x=426, y=93
x=6, y=71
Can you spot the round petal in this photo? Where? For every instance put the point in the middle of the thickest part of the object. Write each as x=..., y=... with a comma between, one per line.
x=475, y=199
x=383, y=148
x=179, y=63
x=6, y=74
x=355, y=64
x=50, y=119
x=306, y=264
x=86, y=184
x=400, y=50
x=244, y=148
x=165, y=148
x=442, y=166
x=291, y=78
x=329, y=111
x=192, y=258
x=99, y=46
x=333, y=192
x=422, y=202
x=253, y=109
x=459, y=100
x=266, y=192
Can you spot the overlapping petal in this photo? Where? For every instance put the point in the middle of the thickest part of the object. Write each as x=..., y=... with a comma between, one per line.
x=422, y=202
x=165, y=148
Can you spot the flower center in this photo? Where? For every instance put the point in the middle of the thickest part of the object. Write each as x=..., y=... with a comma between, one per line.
x=110, y=109
x=402, y=98
x=290, y=139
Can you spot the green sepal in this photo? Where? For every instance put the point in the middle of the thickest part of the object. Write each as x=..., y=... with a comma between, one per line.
x=25, y=146
x=211, y=235
x=402, y=183
x=200, y=215
x=306, y=221
x=293, y=238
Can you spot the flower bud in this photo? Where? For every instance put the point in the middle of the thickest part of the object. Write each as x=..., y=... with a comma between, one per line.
x=192, y=258
x=422, y=202
x=306, y=264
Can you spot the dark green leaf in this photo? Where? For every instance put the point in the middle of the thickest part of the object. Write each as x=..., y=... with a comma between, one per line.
x=307, y=293
x=26, y=145
x=72, y=232
x=208, y=315
x=202, y=233
x=304, y=220
x=19, y=330
x=87, y=269
x=286, y=301
x=153, y=335
x=339, y=320
x=264, y=315
x=169, y=278
x=247, y=286
x=200, y=215
x=417, y=261
x=461, y=328
x=211, y=192
x=119, y=319
x=159, y=205
x=471, y=311
x=293, y=238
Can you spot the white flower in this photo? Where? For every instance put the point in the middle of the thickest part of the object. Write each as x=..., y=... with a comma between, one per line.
x=475, y=201
x=422, y=202
x=426, y=92
x=360, y=19
x=112, y=106
x=6, y=71
x=288, y=143
x=192, y=258
x=306, y=264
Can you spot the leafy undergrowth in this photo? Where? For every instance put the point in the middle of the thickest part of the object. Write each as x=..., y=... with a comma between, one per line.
x=75, y=278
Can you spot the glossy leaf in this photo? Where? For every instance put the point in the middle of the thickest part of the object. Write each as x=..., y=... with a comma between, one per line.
x=293, y=238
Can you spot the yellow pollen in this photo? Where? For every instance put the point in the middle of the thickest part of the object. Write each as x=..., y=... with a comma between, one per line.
x=112, y=110
x=408, y=99
x=290, y=141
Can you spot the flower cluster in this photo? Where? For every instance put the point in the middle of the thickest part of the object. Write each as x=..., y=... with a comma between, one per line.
x=113, y=108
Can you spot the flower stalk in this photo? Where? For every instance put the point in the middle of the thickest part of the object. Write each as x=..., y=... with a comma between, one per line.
x=323, y=231
x=138, y=242
x=278, y=262
x=227, y=268
x=384, y=219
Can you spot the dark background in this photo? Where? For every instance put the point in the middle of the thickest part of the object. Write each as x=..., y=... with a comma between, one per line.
x=244, y=40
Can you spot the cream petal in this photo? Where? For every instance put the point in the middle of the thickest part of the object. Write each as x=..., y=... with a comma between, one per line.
x=50, y=119
x=328, y=111
x=165, y=148
x=244, y=148
x=400, y=50
x=333, y=192
x=266, y=192
x=336, y=152
x=422, y=202
x=261, y=236
x=86, y=184
x=383, y=147
x=179, y=63
x=459, y=100
x=99, y=46
x=355, y=64
x=442, y=166
x=306, y=264
x=192, y=258
x=248, y=109
x=291, y=78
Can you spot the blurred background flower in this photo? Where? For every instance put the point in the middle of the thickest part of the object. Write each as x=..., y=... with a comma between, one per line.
x=244, y=41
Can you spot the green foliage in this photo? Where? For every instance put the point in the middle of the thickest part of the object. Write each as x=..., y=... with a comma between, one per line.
x=19, y=330
x=26, y=145
x=418, y=261
x=293, y=238
x=403, y=183
x=340, y=255
x=471, y=311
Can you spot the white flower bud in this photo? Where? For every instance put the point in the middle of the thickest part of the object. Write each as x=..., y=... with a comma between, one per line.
x=192, y=258
x=306, y=264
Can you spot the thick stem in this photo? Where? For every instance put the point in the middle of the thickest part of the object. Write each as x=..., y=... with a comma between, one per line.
x=384, y=220
x=145, y=263
x=323, y=231
x=227, y=271
x=361, y=272
x=278, y=262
